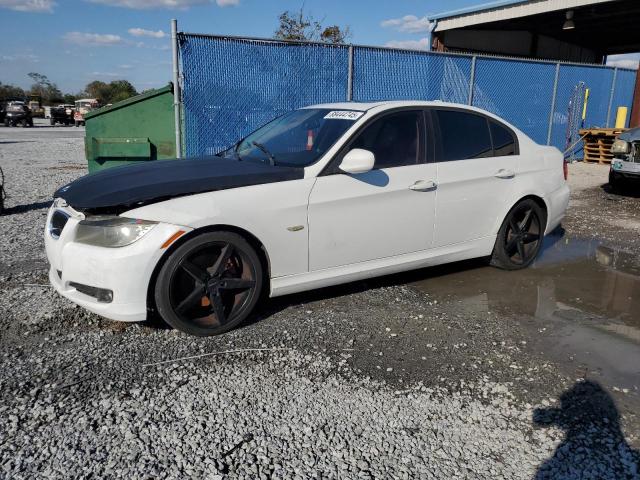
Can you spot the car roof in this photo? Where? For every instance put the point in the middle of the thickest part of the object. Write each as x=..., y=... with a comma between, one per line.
x=383, y=105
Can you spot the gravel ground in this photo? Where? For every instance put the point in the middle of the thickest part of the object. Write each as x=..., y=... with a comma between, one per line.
x=597, y=212
x=369, y=380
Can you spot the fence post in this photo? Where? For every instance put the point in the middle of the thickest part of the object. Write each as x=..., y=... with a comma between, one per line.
x=553, y=103
x=613, y=90
x=472, y=79
x=350, y=75
x=176, y=87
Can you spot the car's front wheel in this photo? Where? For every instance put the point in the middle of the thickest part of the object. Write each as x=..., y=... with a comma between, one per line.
x=520, y=236
x=210, y=284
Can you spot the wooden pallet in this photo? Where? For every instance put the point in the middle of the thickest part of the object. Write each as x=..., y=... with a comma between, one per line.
x=597, y=143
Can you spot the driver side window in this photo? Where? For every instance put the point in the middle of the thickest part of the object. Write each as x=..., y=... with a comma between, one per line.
x=394, y=139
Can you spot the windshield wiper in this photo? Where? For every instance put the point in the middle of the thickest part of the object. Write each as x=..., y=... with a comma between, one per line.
x=265, y=150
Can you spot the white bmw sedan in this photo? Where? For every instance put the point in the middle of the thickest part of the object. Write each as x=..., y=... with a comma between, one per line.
x=320, y=196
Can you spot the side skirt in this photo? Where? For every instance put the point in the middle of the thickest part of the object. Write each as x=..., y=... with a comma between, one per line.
x=385, y=266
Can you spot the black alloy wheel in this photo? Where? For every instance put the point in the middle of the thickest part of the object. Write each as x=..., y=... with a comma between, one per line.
x=520, y=236
x=209, y=284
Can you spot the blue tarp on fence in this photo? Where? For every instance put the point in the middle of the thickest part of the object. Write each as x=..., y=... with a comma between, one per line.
x=232, y=86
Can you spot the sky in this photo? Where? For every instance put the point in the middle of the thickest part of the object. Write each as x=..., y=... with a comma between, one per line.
x=76, y=41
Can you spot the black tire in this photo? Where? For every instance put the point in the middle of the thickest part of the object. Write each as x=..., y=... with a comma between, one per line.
x=520, y=236
x=52, y=121
x=615, y=182
x=25, y=123
x=77, y=124
x=210, y=284
x=6, y=122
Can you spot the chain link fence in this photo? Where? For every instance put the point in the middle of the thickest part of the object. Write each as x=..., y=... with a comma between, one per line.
x=231, y=86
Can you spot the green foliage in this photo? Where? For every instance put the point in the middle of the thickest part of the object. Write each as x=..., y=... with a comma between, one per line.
x=297, y=26
x=44, y=88
x=112, y=92
x=50, y=94
x=335, y=34
x=11, y=92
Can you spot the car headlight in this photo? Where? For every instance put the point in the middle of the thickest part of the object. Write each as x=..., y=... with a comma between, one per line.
x=110, y=231
x=620, y=146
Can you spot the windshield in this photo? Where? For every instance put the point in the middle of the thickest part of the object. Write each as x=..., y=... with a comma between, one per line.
x=298, y=138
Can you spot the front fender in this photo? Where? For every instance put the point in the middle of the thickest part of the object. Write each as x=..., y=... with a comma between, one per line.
x=274, y=213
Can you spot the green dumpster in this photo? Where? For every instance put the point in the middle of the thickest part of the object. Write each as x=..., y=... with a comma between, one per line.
x=141, y=128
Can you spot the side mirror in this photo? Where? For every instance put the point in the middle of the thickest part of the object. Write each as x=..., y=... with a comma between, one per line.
x=358, y=161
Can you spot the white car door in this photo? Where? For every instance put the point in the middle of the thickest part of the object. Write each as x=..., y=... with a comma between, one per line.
x=385, y=212
x=475, y=174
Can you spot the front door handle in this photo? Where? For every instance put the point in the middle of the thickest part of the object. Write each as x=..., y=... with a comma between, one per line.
x=423, y=186
x=502, y=173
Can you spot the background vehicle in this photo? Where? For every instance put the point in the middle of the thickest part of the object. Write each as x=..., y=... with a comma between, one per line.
x=18, y=114
x=35, y=105
x=62, y=114
x=82, y=107
x=625, y=166
x=320, y=196
x=2, y=112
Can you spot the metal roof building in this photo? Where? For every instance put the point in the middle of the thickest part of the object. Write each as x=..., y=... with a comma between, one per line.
x=584, y=31
x=570, y=30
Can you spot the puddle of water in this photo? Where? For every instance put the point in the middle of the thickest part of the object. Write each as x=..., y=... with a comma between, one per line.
x=580, y=301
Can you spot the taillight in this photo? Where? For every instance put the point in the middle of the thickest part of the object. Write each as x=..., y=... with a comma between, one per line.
x=565, y=170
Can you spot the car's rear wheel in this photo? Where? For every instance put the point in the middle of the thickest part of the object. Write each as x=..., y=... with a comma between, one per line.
x=210, y=284
x=520, y=236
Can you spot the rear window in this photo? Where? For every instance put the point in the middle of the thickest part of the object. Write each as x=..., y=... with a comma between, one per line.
x=463, y=136
x=503, y=141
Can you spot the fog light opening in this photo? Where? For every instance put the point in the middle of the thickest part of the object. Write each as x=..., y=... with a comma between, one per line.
x=102, y=295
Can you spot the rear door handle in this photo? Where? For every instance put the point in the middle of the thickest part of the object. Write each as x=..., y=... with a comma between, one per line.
x=502, y=173
x=423, y=186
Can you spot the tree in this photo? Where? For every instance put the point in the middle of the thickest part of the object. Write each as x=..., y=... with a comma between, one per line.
x=11, y=92
x=297, y=26
x=334, y=34
x=121, y=90
x=112, y=92
x=44, y=88
x=99, y=90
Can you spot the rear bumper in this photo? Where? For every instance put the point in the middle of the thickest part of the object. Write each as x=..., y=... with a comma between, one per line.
x=557, y=203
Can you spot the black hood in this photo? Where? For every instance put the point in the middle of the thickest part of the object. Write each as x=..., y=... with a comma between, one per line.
x=130, y=186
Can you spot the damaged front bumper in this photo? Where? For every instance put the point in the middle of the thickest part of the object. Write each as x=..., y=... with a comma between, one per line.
x=111, y=282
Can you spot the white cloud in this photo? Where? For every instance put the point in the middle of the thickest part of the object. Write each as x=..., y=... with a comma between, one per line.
x=629, y=60
x=29, y=5
x=94, y=39
x=16, y=57
x=421, y=44
x=103, y=74
x=153, y=47
x=141, y=32
x=408, y=23
x=170, y=4
x=125, y=66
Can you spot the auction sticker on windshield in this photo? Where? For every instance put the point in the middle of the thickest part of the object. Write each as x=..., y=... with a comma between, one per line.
x=343, y=115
